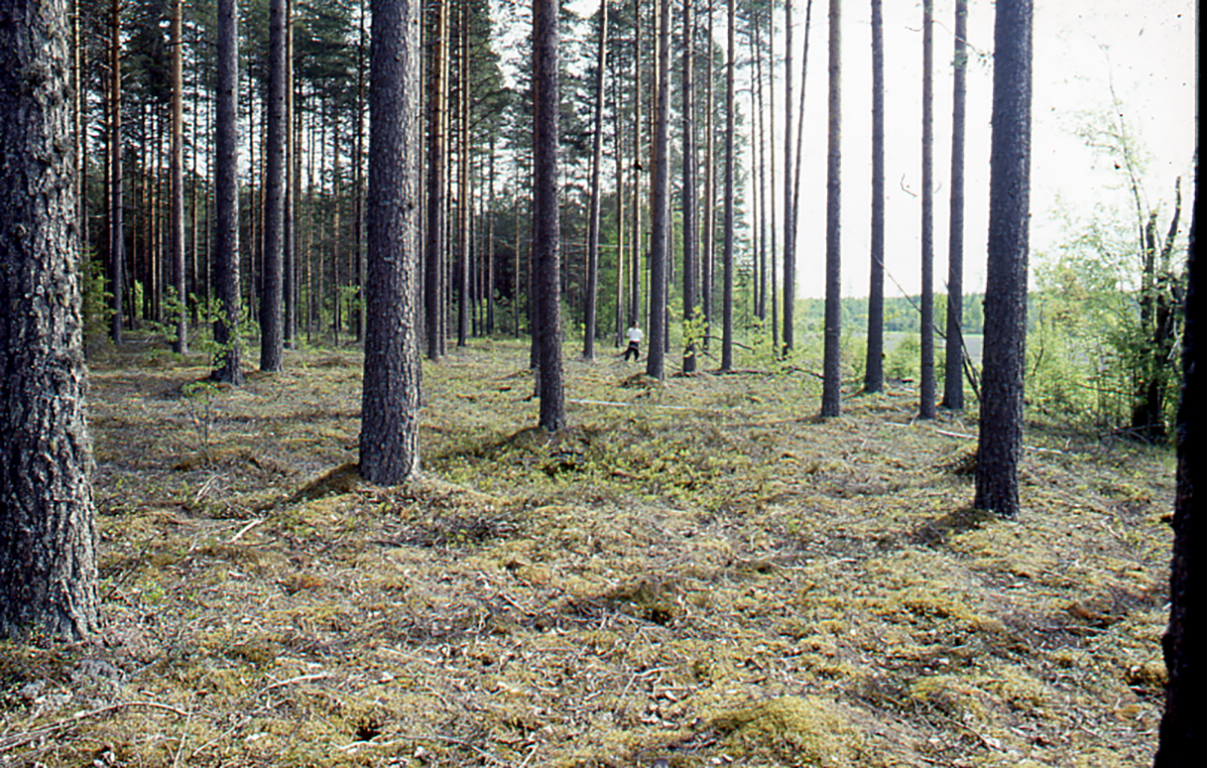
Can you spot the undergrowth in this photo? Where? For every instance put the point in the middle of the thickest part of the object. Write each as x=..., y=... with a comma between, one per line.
x=695, y=570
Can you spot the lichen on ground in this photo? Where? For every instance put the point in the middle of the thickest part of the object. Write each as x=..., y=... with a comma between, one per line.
x=696, y=570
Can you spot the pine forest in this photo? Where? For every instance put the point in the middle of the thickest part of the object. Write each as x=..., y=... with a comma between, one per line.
x=598, y=383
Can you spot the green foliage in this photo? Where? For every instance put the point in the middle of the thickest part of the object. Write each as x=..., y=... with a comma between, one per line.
x=95, y=310
x=199, y=396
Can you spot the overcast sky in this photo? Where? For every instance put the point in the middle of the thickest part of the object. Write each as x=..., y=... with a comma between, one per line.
x=1145, y=46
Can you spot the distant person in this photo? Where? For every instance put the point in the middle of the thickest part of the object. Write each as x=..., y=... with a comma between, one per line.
x=634, y=336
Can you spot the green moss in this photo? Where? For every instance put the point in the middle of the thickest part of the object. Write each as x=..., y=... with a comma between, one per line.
x=793, y=730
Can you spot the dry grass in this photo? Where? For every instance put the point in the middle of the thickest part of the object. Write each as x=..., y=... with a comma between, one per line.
x=696, y=570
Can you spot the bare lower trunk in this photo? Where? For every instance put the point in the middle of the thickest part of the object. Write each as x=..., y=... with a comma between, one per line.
x=48, y=577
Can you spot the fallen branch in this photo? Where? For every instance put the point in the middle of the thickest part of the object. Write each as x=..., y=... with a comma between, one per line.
x=19, y=739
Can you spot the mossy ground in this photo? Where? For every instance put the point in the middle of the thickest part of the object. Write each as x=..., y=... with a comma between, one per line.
x=696, y=570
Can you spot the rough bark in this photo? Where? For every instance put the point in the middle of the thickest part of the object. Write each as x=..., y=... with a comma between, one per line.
x=660, y=200
x=926, y=389
x=832, y=354
x=1183, y=637
x=873, y=378
x=1001, y=425
x=272, y=307
x=545, y=217
x=226, y=199
x=389, y=437
x=47, y=530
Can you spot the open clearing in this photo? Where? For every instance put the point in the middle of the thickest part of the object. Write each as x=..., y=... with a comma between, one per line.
x=697, y=570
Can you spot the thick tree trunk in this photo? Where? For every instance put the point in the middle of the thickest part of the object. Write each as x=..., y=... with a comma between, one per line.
x=953, y=376
x=593, y=214
x=1183, y=718
x=546, y=215
x=48, y=576
x=1001, y=436
x=660, y=200
x=272, y=339
x=226, y=192
x=873, y=379
x=832, y=360
x=926, y=390
x=389, y=437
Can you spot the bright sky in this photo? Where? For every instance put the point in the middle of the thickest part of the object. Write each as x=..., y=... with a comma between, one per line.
x=1146, y=46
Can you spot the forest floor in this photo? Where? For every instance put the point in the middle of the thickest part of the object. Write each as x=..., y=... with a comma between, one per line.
x=697, y=570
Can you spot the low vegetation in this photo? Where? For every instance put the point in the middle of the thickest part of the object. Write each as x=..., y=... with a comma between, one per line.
x=697, y=570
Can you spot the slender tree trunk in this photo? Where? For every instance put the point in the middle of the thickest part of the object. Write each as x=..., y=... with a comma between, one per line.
x=873, y=380
x=546, y=214
x=593, y=214
x=180, y=276
x=832, y=361
x=635, y=266
x=727, y=300
x=659, y=201
x=358, y=160
x=926, y=408
x=463, y=165
x=710, y=192
x=621, y=221
x=690, y=225
x=953, y=375
x=48, y=574
x=226, y=191
x=1001, y=438
x=272, y=302
x=389, y=437
x=289, y=279
x=434, y=252
x=117, y=238
x=491, y=275
x=789, y=199
x=760, y=189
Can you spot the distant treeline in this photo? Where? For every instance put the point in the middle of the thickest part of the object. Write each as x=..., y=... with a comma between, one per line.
x=901, y=314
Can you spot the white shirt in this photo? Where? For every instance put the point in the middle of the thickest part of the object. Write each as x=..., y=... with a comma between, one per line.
x=635, y=335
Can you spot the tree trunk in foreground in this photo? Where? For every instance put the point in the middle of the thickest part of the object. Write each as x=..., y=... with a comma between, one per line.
x=389, y=435
x=832, y=355
x=226, y=199
x=660, y=200
x=873, y=378
x=953, y=377
x=545, y=215
x=1000, y=446
x=1184, y=635
x=272, y=305
x=47, y=529
x=926, y=389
